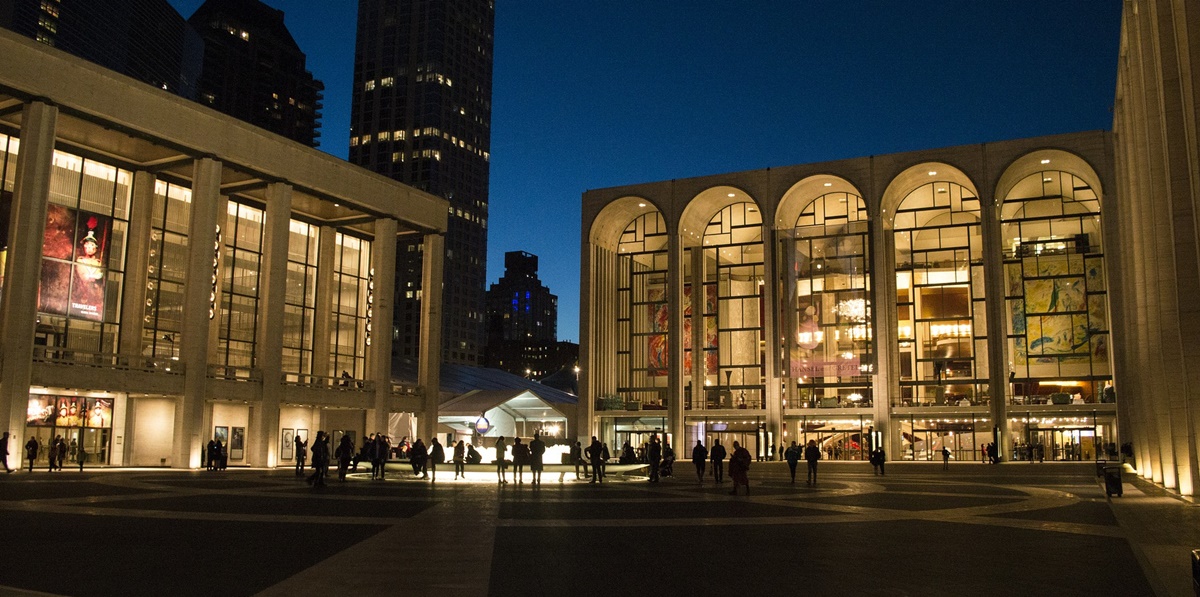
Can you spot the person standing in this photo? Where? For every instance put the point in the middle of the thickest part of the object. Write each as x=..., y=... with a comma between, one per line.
x=501, y=449
x=881, y=460
x=62, y=452
x=4, y=452
x=52, y=455
x=437, y=455
x=320, y=460
x=993, y=454
x=605, y=455
x=80, y=456
x=718, y=461
x=31, y=451
x=595, y=453
x=344, y=453
x=520, y=453
x=811, y=455
x=946, y=458
x=460, y=454
x=739, y=467
x=537, y=451
x=792, y=455
x=873, y=458
x=700, y=459
x=301, y=453
x=654, y=456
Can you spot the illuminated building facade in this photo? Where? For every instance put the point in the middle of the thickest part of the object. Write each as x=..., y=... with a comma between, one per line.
x=172, y=274
x=952, y=298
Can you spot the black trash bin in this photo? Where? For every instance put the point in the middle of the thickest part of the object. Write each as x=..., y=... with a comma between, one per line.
x=1112, y=480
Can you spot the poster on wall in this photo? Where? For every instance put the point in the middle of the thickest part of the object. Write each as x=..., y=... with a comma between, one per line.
x=41, y=411
x=221, y=434
x=70, y=411
x=237, y=443
x=99, y=413
x=74, y=258
x=285, y=444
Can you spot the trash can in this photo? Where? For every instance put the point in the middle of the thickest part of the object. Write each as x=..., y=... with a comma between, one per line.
x=1112, y=480
x=1100, y=465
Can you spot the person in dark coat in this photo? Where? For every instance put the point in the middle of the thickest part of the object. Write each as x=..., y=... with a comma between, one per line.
x=717, y=454
x=301, y=453
x=595, y=453
x=62, y=451
x=792, y=455
x=344, y=454
x=4, y=452
x=52, y=456
x=320, y=460
x=437, y=455
x=473, y=455
x=811, y=455
x=460, y=456
x=880, y=459
x=418, y=455
x=654, y=457
x=501, y=449
x=739, y=467
x=537, y=451
x=31, y=451
x=577, y=460
x=520, y=453
x=700, y=459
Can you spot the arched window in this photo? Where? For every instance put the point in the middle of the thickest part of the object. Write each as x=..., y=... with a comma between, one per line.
x=642, y=310
x=733, y=276
x=942, y=332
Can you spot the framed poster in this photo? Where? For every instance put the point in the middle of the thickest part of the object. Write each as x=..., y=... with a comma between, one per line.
x=286, y=445
x=302, y=435
x=221, y=434
x=237, y=443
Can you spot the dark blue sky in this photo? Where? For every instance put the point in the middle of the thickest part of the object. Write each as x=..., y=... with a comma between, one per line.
x=598, y=93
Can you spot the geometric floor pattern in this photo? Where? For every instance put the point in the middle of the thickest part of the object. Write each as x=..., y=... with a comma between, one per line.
x=1012, y=529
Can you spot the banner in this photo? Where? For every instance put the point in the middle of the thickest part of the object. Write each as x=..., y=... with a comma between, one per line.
x=74, y=263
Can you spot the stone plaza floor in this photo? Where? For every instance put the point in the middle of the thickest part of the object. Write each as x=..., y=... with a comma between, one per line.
x=1011, y=529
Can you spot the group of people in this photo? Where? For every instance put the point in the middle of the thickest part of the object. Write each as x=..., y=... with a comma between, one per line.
x=58, y=452
x=531, y=455
x=810, y=453
x=215, y=456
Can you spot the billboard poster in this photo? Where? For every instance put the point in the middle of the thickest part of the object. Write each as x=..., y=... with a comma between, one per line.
x=99, y=413
x=74, y=259
x=41, y=411
x=71, y=410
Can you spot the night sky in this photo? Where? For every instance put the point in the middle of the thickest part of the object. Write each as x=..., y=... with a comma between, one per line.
x=598, y=93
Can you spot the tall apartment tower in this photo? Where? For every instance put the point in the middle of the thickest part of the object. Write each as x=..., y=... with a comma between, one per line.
x=421, y=114
x=143, y=39
x=254, y=70
x=522, y=319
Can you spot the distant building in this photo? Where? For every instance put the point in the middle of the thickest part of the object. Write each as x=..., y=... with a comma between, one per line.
x=144, y=39
x=254, y=70
x=421, y=114
x=522, y=320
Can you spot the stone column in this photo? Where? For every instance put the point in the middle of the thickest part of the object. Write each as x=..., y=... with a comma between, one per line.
x=137, y=260
x=272, y=284
x=322, y=317
x=699, y=299
x=884, y=337
x=675, y=342
x=430, y=365
x=770, y=336
x=198, y=313
x=379, y=352
x=585, y=409
x=997, y=337
x=23, y=268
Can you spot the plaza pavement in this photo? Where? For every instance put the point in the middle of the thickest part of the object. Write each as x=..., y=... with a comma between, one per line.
x=1012, y=529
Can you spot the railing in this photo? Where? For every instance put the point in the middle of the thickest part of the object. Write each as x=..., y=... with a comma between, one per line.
x=399, y=389
x=69, y=356
x=231, y=373
x=327, y=382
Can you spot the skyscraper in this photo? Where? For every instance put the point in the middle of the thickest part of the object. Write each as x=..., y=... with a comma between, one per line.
x=522, y=319
x=254, y=70
x=421, y=114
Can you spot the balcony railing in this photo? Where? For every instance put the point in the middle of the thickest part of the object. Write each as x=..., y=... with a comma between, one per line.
x=328, y=382
x=231, y=373
x=70, y=356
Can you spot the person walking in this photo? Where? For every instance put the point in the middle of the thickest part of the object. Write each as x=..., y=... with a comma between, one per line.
x=460, y=455
x=52, y=455
x=4, y=452
x=873, y=458
x=344, y=454
x=501, y=449
x=739, y=467
x=946, y=458
x=811, y=455
x=537, y=452
x=31, y=451
x=320, y=460
x=993, y=454
x=699, y=459
x=881, y=460
x=80, y=456
x=717, y=454
x=595, y=454
x=654, y=457
x=605, y=455
x=792, y=455
x=437, y=455
x=520, y=454
x=301, y=454
x=62, y=451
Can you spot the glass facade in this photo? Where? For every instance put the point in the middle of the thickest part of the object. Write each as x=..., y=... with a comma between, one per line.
x=242, y=236
x=733, y=264
x=351, y=277
x=167, y=270
x=642, y=315
x=300, y=300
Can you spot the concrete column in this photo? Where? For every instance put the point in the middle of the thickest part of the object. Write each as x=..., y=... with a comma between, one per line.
x=197, y=306
x=137, y=260
x=675, y=340
x=886, y=380
x=699, y=299
x=588, y=340
x=770, y=336
x=272, y=284
x=323, y=317
x=379, y=353
x=997, y=337
x=430, y=364
x=23, y=268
